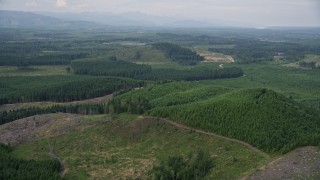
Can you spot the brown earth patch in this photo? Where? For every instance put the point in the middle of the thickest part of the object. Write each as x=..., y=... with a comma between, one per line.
x=39, y=127
x=216, y=57
x=302, y=163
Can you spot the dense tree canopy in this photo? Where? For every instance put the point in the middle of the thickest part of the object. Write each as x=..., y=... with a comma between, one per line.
x=144, y=72
x=12, y=168
x=179, y=54
x=60, y=88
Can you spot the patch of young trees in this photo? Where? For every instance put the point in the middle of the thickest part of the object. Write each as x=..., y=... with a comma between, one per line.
x=310, y=65
x=181, y=55
x=195, y=166
x=132, y=105
x=12, y=168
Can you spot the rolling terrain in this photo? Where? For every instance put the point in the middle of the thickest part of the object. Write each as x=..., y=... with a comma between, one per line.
x=97, y=103
x=101, y=147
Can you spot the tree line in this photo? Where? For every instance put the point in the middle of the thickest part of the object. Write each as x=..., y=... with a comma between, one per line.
x=109, y=67
x=181, y=55
x=114, y=67
x=254, y=51
x=40, y=60
x=60, y=88
x=86, y=109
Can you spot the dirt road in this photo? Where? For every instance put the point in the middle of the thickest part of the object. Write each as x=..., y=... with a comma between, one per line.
x=215, y=135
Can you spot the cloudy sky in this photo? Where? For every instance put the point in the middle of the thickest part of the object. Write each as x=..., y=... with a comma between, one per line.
x=254, y=12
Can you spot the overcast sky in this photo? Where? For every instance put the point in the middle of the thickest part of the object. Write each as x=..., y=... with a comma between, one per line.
x=254, y=12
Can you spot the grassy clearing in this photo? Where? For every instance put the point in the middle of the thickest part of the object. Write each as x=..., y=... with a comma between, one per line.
x=129, y=146
x=33, y=71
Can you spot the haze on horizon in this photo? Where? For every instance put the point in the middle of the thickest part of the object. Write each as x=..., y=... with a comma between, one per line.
x=258, y=13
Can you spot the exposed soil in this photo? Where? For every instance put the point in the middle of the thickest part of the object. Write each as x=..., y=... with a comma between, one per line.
x=302, y=163
x=215, y=57
x=42, y=126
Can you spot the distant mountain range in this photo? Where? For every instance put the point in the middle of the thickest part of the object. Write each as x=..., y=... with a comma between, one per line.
x=130, y=19
x=25, y=19
x=29, y=19
x=136, y=19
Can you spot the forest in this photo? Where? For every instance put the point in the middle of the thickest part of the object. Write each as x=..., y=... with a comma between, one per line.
x=268, y=98
x=110, y=67
x=243, y=115
x=255, y=51
x=15, y=168
x=238, y=114
x=179, y=54
x=120, y=68
x=86, y=109
x=60, y=88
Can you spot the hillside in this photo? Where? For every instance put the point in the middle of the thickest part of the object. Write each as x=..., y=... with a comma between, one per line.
x=121, y=147
x=21, y=19
x=302, y=163
x=261, y=117
x=26, y=19
x=264, y=118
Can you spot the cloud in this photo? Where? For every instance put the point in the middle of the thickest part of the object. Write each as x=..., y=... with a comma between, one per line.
x=32, y=3
x=61, y=3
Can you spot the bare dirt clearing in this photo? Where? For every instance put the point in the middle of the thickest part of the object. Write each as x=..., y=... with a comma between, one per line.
x=43, y=126
x=125, y=43
x=302, y=163
x=215, y=57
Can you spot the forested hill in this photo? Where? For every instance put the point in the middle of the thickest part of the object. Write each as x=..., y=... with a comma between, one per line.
x=263, y=118
x=178, y=54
